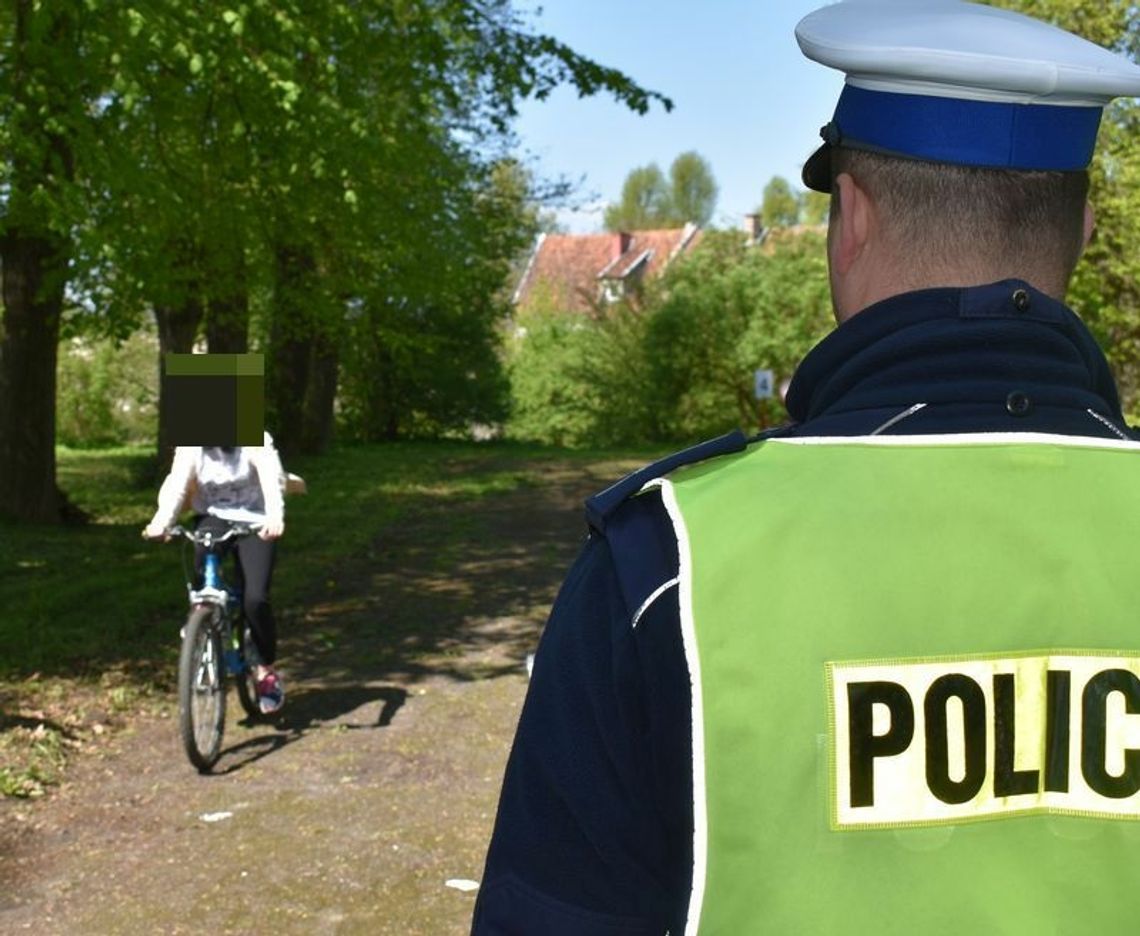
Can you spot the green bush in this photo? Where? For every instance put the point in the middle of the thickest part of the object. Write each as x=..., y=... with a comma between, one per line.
x=107, y=393
x=680, y=366
x=726, y=311
x=551, y=395
x=420, y=373
x=581, y=380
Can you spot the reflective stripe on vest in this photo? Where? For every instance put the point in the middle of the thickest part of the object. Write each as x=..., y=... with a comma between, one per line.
x=916, y=685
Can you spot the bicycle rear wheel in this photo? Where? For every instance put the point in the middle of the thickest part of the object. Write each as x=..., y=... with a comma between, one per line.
x=202, y=688
x=246, y=681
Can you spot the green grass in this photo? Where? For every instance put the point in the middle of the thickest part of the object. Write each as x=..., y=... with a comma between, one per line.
x=89, y=615
x=40, y=766
x=79, y=601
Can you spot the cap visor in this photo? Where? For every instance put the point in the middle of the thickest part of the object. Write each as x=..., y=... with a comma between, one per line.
x=817, y=170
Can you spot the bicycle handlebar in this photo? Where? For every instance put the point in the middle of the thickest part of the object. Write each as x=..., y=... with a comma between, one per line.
x=209, y=538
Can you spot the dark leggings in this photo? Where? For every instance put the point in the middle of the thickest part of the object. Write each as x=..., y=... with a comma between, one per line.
x=255, y=560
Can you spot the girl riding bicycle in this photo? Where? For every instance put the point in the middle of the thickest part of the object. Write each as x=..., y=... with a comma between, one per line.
x=237, y=484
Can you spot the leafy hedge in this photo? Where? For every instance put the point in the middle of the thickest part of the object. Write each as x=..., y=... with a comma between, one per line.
x=679, y=365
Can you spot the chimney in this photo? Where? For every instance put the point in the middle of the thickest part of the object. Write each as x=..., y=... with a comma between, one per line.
x=621, y=242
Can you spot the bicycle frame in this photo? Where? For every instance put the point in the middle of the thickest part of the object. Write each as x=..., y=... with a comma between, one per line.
x=212, y=649
x=215, y=591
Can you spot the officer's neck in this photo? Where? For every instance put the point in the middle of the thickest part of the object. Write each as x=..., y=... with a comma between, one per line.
x=854, y=293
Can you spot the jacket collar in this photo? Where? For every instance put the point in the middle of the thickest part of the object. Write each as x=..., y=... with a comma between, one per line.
x=954, y=345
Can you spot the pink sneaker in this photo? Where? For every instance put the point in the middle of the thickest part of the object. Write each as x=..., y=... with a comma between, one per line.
x=270, y=693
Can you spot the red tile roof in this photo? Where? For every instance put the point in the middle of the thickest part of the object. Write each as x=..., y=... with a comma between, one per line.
x=567, y=270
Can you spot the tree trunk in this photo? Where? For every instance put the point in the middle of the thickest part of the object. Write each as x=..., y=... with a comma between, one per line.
x=227, y=325
x=227, y=315
x=177, y=328
x=286, y=380
x=33, y=277
x=317, y=418
x=383, y=421
x=40, y=58
x=287, y=368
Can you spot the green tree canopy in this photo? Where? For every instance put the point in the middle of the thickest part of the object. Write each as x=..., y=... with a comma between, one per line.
x=780, y=205
x=726, y=311
x=645, y=202
x=814, y=207
x=1105, y=290
x=267, y=168
x=648, y=200
x=693, y=189
x=681, y=366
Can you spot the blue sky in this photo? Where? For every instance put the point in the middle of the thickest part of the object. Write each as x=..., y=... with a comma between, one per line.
x=744, y=97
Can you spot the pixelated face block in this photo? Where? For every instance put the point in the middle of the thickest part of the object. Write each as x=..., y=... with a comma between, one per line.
x=215, y=399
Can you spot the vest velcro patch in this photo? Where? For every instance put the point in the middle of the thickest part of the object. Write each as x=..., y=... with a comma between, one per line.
x=930, y=742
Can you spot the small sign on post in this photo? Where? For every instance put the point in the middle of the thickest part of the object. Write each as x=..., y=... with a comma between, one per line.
x=765, y=384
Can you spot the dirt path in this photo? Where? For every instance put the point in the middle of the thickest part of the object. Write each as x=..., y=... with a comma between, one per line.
x=375, y=786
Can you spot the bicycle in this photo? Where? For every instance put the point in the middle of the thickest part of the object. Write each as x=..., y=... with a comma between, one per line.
x=215, y=641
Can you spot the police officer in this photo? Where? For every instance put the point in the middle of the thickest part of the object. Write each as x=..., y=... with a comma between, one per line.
x=879, y=671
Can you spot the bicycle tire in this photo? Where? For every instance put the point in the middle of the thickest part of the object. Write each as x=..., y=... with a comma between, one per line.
x=246, y=681
x=202, y=688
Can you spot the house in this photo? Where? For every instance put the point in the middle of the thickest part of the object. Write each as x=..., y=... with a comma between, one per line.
x=582, y=272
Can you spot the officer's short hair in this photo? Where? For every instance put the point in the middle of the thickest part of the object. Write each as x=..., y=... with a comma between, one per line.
x=940, y=214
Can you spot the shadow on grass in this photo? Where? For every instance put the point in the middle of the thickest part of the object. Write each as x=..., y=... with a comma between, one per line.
x=469, y=549
x=457, y=590
x=34, y=723
x=467, y=526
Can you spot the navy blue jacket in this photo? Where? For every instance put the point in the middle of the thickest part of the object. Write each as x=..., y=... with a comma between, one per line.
x=594, y=830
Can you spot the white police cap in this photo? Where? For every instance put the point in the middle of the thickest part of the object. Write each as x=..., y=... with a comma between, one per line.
x=957, y=82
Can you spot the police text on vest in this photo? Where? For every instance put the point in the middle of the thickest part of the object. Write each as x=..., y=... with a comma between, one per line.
x=946, y=741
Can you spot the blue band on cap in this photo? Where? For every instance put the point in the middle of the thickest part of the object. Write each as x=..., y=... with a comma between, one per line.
x=969, y=133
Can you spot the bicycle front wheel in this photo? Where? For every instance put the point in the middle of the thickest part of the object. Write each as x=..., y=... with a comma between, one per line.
x=202, y=687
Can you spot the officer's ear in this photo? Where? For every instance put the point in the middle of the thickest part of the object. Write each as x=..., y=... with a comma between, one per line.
x=852, y=221
x=1090, y=226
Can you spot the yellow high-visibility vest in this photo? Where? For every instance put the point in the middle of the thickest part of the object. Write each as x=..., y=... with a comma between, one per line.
x=916, y=685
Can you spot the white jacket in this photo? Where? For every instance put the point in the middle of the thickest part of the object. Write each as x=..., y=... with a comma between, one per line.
x=245, y=485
